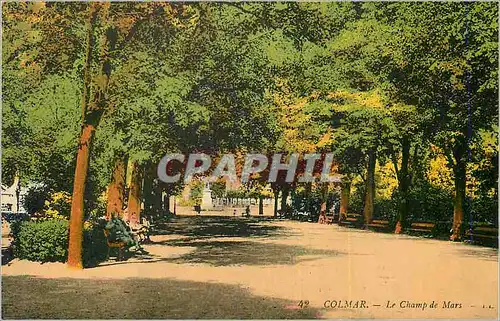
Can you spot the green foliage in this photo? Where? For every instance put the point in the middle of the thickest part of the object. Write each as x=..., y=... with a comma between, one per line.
x=310, y=201
x=218, y=189
x=42, y=241
x=429, y=202
x=47, y=241
x=35, y=198
x=95, y=247
x=346, y=78
x=357, y=198
x=196, y=193
x=386, y=209
x=237, y=194
x=483, y=209
x=58, y=206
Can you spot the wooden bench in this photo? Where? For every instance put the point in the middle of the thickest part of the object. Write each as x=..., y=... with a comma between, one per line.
x=422, y=228
x=483, y=234
x=114, y=245
x=352, y=220
x=379, y=224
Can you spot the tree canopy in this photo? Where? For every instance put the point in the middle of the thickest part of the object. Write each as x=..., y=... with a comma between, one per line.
x=403, y=95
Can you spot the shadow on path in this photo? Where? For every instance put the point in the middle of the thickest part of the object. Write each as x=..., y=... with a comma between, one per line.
x=220, y=226
x=479, y=252
x=34, y=298
x=221, y=253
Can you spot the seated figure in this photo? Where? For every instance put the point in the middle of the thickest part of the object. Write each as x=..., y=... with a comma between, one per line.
x=119, y=231
x=140, y=231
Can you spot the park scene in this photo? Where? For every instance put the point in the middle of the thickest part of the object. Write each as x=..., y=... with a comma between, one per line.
x=249, y=160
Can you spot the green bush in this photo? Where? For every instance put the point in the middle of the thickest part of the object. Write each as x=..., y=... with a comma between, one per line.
x=42, y=241
x=357, y=199
x=95, y=248
x=430, y=203
x=47, y=241
x=385, y=209
x=483, y=209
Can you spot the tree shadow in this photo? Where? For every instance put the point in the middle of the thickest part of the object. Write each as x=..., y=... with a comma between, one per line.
x=220, y=226
x=479, y=252
x=224, y=253
x=139, y=298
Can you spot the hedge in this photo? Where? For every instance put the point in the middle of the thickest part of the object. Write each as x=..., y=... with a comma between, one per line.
x=47, y=241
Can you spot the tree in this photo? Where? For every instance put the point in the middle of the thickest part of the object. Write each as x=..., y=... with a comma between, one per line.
x=116, y=26
x=448, y=73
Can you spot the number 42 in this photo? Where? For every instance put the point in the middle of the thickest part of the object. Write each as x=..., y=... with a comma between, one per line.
x=303, y=304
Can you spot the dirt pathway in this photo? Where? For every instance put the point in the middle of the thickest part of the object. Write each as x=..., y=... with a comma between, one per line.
x=272, y=266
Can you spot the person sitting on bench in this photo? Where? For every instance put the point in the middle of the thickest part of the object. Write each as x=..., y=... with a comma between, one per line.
x=119, y=231
x=139, y=231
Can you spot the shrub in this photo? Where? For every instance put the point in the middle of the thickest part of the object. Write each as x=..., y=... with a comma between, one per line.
x=425, y=202
x=95, y=248
x=484, y=209
x=385, y=209
x=357, y=199
x=429, y=202
x=47, y=241
x=42, y=241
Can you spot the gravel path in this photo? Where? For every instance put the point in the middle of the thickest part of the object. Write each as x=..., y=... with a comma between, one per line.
x=225, y=267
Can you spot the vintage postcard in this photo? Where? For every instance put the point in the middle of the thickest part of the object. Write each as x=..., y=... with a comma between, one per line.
x=249, y=160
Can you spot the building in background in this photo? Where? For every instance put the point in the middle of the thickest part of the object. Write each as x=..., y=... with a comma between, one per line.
x=12, y=197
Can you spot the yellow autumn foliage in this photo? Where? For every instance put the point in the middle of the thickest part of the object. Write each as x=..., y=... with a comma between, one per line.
x=439, y=173
x=58, y=206
x=386, y=180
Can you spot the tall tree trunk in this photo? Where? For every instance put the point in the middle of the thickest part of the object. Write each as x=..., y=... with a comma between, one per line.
x=345, y=193
x=77, y=206
x=134, y=199
x=370, y=187
x=116, y=187
x=324, y=196
x=416, y=167
x=308, y=197
x=284, y=196
x=459, y=201
x=83, y=155
x=261, y=205
x=158, y=198
x=147, y=190
x=276, y=195
x=403, y=186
